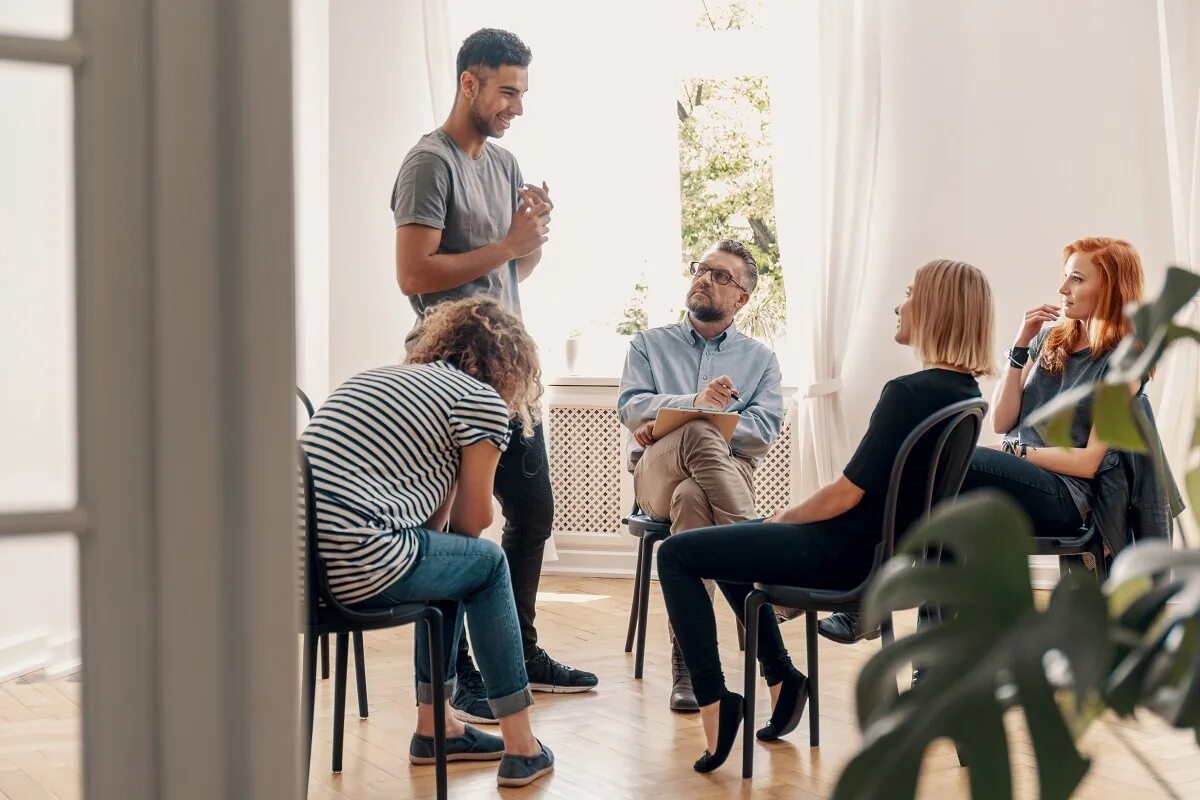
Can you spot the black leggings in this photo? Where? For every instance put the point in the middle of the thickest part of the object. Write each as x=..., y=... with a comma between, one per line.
x=1040, y=493
x=822, y=555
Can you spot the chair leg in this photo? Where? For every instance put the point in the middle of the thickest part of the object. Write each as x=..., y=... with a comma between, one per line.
x=437, y=673
x=741, y=634
x=754, y=602
x=633, y=604
x=340, y=665
x=309, y=697
x=887, y=631
x=814, y=685
x=360, y=674
x=647, y=560
x=324, y=656
x=1098, y=553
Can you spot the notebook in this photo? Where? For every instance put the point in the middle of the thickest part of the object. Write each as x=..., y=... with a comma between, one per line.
x=668, y=419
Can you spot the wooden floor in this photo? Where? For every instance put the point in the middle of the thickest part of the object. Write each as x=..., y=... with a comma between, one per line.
x=620, y=741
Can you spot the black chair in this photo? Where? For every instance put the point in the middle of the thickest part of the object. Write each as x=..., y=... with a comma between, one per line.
x=1086, y=540
x=360, y=665
x=957, y=430
x=1116, y=519
x=650, y=532
x=325, y=614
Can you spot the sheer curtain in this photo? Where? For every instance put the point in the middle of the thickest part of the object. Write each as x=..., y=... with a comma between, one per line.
x=824, y=187
x=1181, y=111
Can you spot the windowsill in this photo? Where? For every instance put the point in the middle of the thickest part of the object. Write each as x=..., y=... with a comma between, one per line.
x=583, y=380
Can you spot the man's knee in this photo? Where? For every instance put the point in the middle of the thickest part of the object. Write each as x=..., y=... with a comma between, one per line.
x=700, y=434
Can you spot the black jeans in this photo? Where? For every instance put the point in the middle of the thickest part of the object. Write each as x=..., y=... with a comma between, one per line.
x=822, y=555
x=523, y=489
x=1040, y=493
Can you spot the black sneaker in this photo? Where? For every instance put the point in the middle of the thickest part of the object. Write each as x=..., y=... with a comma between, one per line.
x=469, y=703
x=547, y=675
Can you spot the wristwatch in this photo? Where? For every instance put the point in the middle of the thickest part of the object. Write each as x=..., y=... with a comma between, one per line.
x=1025, y=451
x=1018, y=357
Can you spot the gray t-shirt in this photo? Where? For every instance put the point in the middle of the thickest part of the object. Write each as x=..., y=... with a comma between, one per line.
x=471, y=201
x=1041, y=388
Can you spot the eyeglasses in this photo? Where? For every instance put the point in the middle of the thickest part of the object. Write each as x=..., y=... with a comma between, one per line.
x=717, y=276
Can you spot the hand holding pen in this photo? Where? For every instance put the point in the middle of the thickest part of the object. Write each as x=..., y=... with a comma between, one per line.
x=718, y=394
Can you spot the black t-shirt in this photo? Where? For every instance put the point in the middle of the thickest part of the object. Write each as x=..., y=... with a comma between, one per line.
x=904, y=404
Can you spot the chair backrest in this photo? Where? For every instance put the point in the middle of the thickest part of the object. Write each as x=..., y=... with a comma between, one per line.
x=308, y=406
x=316, y=580
x=954, y=433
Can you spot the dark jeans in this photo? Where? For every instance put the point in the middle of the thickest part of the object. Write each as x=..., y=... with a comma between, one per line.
x=822, y=555
x=523, y=489
x=1040, y=493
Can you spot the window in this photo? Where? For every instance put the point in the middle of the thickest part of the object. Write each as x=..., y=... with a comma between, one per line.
x=651, y=125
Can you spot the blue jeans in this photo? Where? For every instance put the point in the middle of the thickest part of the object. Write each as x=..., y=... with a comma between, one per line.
x=458, y=573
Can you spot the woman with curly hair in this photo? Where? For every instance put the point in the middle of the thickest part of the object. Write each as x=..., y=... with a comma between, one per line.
x=398, y=452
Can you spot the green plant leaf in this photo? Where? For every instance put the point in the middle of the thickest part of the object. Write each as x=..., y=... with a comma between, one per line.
x=1180, y=286
x=1113, y=418
x=1055, y=418
x=991, y=651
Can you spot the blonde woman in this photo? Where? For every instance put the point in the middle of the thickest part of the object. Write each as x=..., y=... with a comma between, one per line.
x=827, y=541
x=397, y=453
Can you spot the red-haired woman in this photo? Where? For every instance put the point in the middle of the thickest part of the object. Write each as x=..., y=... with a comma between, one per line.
x=1053, y=484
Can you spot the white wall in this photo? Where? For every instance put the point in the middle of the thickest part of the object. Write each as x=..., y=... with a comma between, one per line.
x=1008, y=130
x=310, y=109
x=375, y=48
x=39, y=616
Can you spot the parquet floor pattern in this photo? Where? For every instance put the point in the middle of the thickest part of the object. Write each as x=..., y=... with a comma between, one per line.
x=618, y=742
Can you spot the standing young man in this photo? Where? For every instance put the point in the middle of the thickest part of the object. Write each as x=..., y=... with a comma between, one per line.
x=467, y=224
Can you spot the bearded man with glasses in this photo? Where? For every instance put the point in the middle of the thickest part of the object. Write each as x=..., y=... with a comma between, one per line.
x=691, y=476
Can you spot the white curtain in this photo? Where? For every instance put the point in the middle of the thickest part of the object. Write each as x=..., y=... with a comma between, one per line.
x=1181, y=116
x=824, y=187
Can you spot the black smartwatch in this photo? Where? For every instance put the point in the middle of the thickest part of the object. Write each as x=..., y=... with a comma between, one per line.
x=1018, y=357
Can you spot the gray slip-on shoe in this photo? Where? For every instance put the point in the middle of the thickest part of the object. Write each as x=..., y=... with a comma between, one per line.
x=523, y=770
x=474, y=745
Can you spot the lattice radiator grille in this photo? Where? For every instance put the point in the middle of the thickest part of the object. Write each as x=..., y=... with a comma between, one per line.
x=773, y=478
x=586, y=466
x=585, y=469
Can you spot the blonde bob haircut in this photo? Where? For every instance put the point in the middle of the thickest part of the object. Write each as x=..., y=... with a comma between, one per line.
x=952, y=316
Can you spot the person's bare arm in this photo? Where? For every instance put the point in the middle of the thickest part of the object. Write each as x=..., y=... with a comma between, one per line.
x=471, y=511
x=1007, y=399
x=831, y=500
x=1078, y=462
x=421, y=269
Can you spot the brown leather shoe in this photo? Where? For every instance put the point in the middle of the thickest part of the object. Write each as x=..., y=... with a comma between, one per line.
x=682, y=696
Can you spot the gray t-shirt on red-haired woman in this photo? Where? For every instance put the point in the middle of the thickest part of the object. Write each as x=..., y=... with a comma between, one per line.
x=471, y=201
x=1042, y=387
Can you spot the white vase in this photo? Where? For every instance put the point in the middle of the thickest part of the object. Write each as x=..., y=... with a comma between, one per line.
x=572, y=353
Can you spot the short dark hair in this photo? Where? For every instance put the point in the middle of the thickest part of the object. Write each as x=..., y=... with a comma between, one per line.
x=492, y=48
x=736, y=248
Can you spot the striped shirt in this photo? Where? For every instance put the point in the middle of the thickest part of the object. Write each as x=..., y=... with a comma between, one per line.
x=385, y=449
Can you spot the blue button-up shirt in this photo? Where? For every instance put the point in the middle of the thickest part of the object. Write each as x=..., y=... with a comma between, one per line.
x=669, y=366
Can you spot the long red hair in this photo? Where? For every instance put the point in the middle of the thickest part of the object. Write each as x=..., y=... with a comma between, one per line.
x=1121, y=282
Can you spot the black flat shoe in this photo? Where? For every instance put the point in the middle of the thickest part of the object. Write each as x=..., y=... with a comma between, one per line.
x=789, y=708
x=730, y=719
